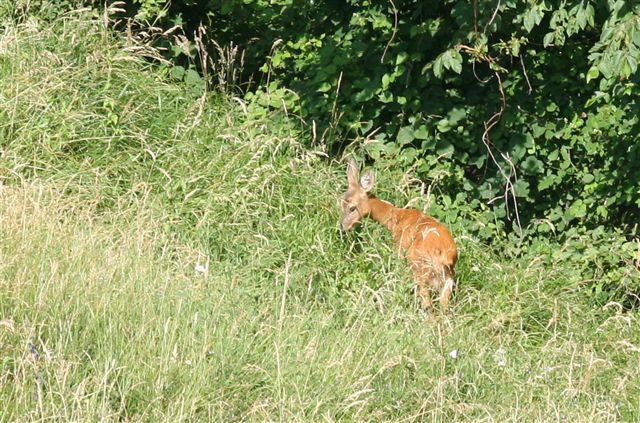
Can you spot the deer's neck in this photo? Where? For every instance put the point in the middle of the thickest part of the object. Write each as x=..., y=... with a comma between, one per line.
x=381, y=212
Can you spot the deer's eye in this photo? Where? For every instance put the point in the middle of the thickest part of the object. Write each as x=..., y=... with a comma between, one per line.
x=352, y=209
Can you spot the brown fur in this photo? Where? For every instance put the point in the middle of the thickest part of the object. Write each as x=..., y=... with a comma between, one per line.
x=426, y=243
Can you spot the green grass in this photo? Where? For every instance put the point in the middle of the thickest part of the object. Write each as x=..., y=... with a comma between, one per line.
x=117, y=182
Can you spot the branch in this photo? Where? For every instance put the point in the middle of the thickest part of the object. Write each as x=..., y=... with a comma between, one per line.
x=395, y=30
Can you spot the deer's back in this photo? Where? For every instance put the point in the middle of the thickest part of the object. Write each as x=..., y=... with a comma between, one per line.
x=423, y=238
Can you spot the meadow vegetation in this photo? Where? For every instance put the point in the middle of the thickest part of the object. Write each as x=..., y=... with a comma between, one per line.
x=173, y=255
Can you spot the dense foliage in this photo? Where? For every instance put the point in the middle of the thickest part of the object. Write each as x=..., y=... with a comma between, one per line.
x=523, y=113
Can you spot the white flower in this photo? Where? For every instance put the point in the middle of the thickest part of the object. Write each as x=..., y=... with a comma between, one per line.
x=500, y=357
x=201, y=268
x=453, y=353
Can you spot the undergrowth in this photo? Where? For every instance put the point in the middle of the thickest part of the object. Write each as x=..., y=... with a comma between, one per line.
x=171, y=257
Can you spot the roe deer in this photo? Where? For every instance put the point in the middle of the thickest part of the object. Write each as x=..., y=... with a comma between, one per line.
x=426, y=243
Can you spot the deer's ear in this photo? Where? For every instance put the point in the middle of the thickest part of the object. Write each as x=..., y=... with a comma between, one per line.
x=352, y=172
x=368, y=180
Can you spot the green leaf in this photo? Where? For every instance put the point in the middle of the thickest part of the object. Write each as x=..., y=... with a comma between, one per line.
x=602, y=211
x=455, y=64
x=626, y=70
x=324, y=87
x=587, y=178
x=605, y=67
x=421, y=133
x=532, y=165
x=549, y=39
x=443, y=125
x=366, y=126
x=386, y=79
x=443, y=148
x=391, y=148
x=192, y=77
x=456, y=115
x=577, y=210
x=385, y=97
x=591, y=13
x=635, y=37
x=521, y=188
x=405, y=135
x=408, y=154
x=633, y=63
x=401, y=58
x=529, y=20
x=479, y=161
x=437, y=67
x=546, y=182
x=592, y=73
x=177, y=72
x=581, y=17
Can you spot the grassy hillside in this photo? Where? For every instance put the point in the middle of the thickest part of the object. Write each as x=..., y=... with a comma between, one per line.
x=167, y=258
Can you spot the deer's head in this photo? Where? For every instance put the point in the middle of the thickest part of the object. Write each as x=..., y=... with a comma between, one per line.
x=355, y=202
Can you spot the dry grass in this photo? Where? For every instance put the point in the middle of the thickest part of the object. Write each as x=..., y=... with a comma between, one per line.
x=103, y=315
x=110, y=321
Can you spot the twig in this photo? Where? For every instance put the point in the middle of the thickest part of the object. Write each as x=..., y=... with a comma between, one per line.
x=493, y=16
x=509, y=187
x=395, y=30
x=526, y=77
x=488, y=125
x=335, y=100
x=482, y=81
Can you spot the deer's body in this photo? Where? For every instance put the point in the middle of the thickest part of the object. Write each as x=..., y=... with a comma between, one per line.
x=427, y=244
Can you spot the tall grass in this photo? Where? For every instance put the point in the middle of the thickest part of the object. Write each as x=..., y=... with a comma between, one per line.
x=164, y=258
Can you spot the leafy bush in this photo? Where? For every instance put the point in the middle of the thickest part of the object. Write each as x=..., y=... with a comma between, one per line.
x=522, y=113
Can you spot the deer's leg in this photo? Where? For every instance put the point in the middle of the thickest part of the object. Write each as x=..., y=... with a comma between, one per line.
x=447, y=289
x=425, y=294
x=445, y=294
x=422, y=277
